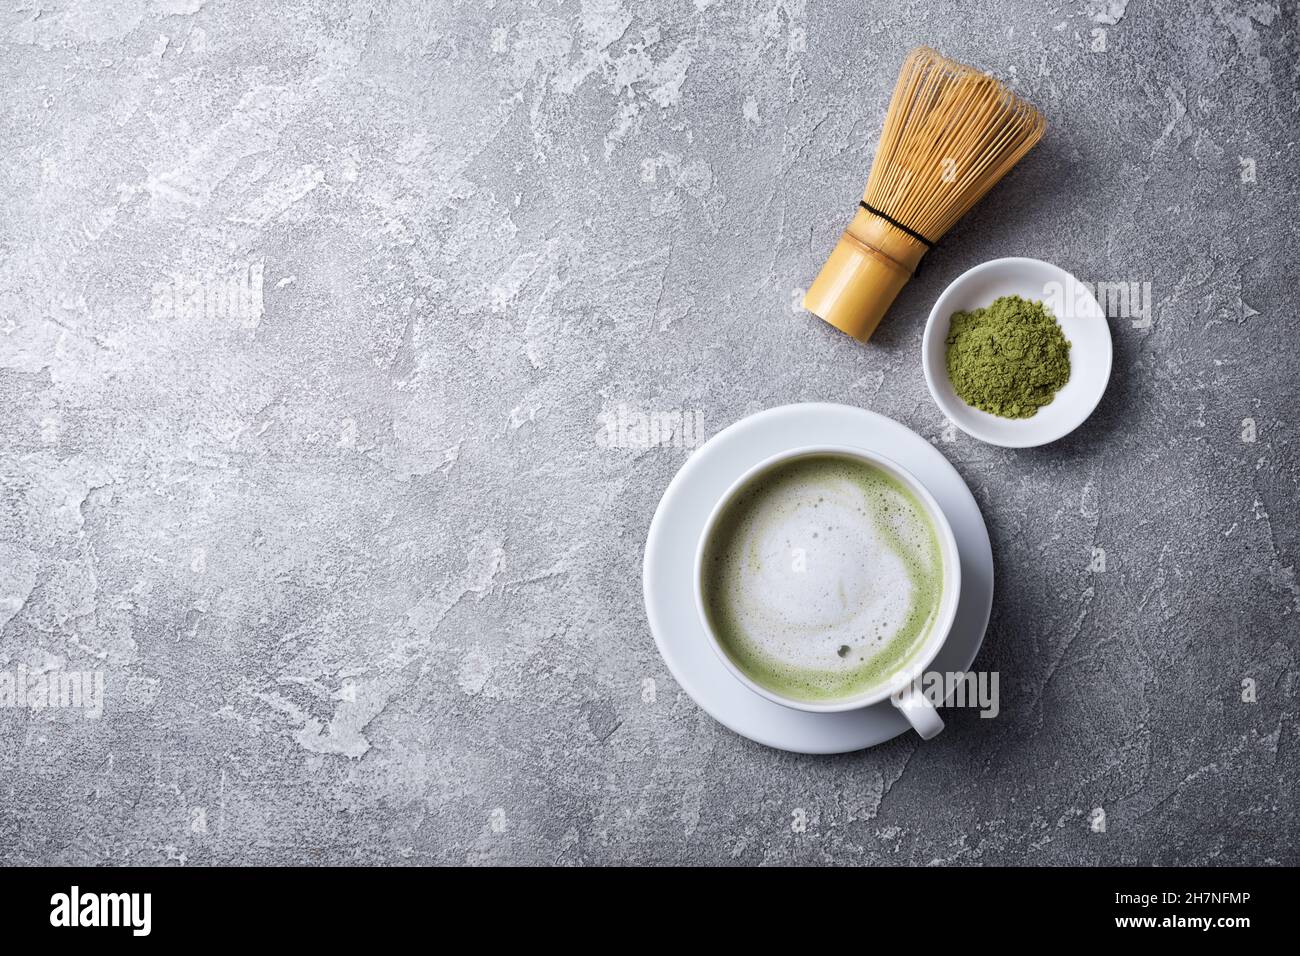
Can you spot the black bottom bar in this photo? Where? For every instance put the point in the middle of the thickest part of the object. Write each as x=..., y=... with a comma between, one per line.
x=341, y=906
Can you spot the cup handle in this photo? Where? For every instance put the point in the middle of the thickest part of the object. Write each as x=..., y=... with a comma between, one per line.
x=918, y=710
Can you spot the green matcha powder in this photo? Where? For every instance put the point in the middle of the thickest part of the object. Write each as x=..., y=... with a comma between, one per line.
x=1009, y=359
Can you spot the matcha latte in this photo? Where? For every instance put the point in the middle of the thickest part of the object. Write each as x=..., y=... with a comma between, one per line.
x=822, y=578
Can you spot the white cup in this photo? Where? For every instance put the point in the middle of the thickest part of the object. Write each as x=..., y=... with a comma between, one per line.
x=902, y=689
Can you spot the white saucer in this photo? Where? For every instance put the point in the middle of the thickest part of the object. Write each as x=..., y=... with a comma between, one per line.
x=669, y=566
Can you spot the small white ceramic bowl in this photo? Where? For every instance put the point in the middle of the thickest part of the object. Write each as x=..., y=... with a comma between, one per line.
x=1082, y=320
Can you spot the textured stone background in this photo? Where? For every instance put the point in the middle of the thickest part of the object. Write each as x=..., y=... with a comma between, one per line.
x=366, y=588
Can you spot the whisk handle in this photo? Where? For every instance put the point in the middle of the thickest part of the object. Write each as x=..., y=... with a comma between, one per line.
x=866, y=270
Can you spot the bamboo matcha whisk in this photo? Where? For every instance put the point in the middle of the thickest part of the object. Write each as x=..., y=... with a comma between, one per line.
x=951, y=133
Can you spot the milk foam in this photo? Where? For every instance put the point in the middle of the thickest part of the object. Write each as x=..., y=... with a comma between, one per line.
x=823, y=578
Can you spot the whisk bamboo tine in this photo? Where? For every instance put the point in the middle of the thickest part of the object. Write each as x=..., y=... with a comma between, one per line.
x=950, y=134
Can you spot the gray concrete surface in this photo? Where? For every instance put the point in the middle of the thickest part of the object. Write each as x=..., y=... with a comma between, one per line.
x=307, y=324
